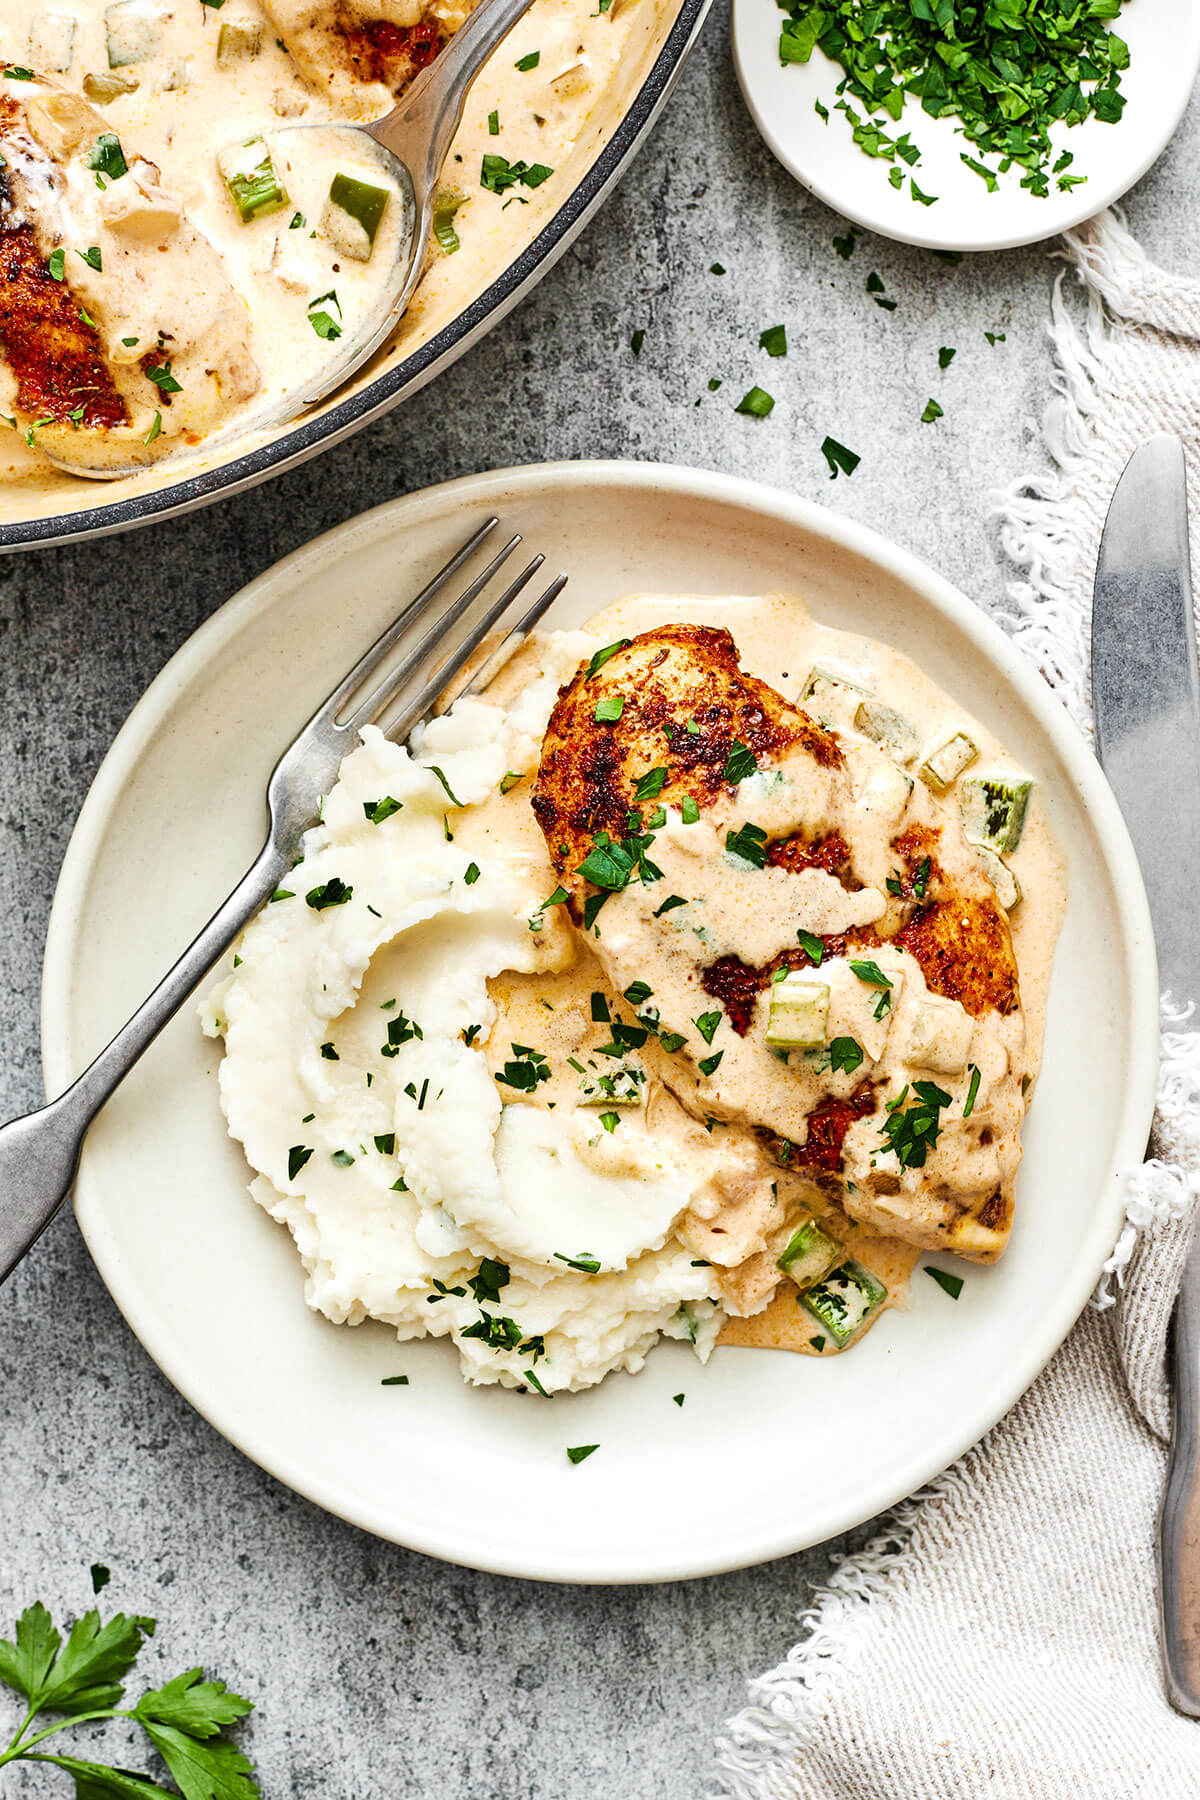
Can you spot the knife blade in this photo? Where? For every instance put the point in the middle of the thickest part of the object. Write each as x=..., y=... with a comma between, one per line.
x=1146, y=692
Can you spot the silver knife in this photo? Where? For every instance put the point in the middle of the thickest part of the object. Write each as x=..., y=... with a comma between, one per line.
x=1147, y=699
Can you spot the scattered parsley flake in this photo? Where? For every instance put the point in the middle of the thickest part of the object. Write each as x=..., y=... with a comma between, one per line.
x=841, y=461
x=950, y=1284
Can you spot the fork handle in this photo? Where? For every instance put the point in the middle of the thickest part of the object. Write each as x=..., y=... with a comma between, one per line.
x=40, y=1152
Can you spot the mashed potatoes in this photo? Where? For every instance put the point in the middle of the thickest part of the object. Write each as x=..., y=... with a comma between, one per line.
x=419, y=1190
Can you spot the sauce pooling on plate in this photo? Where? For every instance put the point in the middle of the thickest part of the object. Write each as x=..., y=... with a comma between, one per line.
x=158, y=211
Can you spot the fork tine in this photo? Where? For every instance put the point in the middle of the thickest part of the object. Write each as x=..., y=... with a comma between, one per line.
x=509, y=644
x=431, y=639
x=421, y=705
x=395, y=631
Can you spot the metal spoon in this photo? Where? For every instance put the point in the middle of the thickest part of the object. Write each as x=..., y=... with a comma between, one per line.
x=411, y=144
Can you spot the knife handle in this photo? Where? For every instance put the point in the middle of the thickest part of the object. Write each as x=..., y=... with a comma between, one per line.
x=1179, y=1521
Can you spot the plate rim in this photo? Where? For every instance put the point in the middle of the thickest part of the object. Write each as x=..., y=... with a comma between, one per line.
x=525, y=483
x=742, y=26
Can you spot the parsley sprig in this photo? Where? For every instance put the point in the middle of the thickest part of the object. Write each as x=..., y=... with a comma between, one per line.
x=82, y=1679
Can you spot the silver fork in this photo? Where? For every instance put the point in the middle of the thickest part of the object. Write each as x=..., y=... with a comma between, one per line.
x=39, y=1153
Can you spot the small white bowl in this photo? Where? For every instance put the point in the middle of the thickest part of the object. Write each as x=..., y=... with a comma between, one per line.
x=1164, y=43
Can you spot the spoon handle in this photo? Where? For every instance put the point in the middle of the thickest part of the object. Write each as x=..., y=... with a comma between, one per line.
x=421, y=128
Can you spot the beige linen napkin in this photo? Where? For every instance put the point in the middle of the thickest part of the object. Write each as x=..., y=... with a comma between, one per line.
x=999, y=1641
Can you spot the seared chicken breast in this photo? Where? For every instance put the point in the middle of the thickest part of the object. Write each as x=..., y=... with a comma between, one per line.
x=362, y=54
x=118, y=326
x=806, y=926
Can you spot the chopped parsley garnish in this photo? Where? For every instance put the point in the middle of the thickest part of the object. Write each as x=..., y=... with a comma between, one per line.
x=689, y=812
x=578, y=1453
x=56, y=263
x=92, y=257
x=322, y=322
x=669, y=905
x=709, y=1064
x=878, y=292
x=812, y=946
x=1006, y=70
x=493, y=124
x=282, y=894
x=154, y=430
x=394, y=1381
x=450, y=794
x=14, y=72
x=945, y=357
x=400, y=1031
x=591, y=910
x=707, y=1025
x=972, y=1093
x=741, y=763
x=716, y=268
x=600, y=1013
x=602, y=656
x=342, y=1158
x=845, y=1055
x=949, y=1284
x=996, y=337
x=756, y=402
x=558, y=898
x=470, y=1034
x=650, y=785
x=160, y=374
x=841, y=461
x=872, y=974
x=377, y=811
x=818, y=1343
x=510, y=780
x=298, y=1155
x=471, y=874
x=333, y=892
x=750, y=843
x=107, y=157
x=913, y=1131
x=587, y=1265
x=497, y=174
x=487, y=1281
x=497, y=1333
x=773, y=340
x=637, y=340
x=528, y=62
x=329, y=1053
x=526, y=1070
x=609, y=710
x=385, y=1143
x=672, y=1041
x=679, y=1399
x=932, y=412
x=921, y=878
x=637, y=993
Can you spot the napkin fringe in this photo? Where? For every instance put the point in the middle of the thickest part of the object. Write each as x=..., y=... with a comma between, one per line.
x=755, y=1755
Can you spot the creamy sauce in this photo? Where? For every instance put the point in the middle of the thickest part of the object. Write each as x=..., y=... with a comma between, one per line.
x=248, y=293
x=535, y=1119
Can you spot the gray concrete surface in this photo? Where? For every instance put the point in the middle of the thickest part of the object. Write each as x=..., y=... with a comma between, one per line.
x=379, y=1673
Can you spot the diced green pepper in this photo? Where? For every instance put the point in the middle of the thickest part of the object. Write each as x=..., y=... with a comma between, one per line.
x=946, y=762
x=799, y=1013
x=809, y=1254
x=133, y=32
x=885, y=726
x=237, y=41
x=993, y=810
x=249, y=174
x=845, y=1300
x=52, y=42
x=997, y=871
x=353, y=214
x=445, y=206
x=109, y=86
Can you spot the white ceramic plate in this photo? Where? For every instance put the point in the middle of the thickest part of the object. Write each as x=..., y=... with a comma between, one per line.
x=1164, y=43
x=770, y=1452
